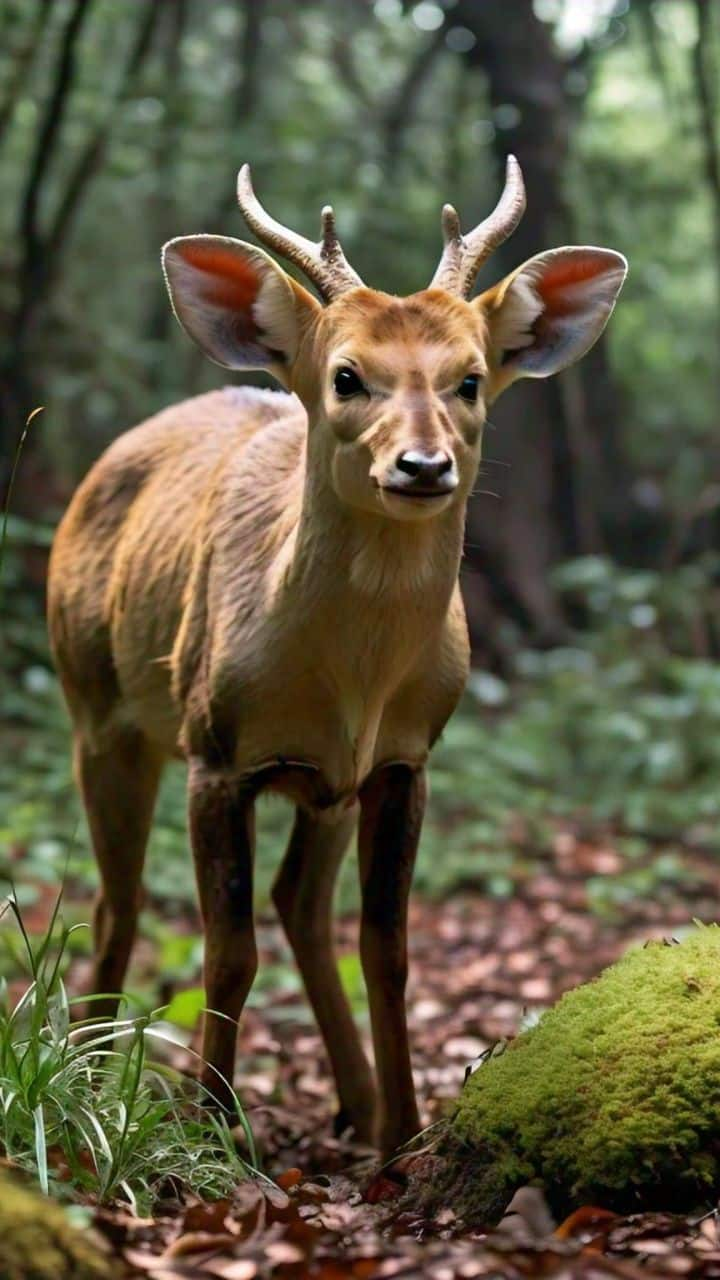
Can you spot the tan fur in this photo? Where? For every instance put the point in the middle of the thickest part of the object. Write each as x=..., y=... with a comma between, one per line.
x=187, y=572
x=239, y=582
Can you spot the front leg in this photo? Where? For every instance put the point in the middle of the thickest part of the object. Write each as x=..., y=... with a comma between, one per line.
x=392, y=807
x=222, y=822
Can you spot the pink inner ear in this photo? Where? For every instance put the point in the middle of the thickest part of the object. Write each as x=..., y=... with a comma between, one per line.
x=233, y=282
x=562, y=274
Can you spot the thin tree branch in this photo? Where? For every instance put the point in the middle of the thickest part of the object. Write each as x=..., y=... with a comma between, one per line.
x=22, y=60
x=342, y=54
x=656, y=60
x=705, y=79
x=167, y=155
x=93, y=153
x=48, y=134
x=398, y=113
x=248, y=93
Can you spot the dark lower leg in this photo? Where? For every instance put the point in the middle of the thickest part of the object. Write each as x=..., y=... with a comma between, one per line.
x=222, y=834
x=118, y=786
x=392, y=810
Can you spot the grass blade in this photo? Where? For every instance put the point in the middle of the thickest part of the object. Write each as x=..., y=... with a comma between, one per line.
x=41, y=1148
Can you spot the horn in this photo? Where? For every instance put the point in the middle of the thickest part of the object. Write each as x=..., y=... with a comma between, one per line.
x=464, y=255
x=324, y=263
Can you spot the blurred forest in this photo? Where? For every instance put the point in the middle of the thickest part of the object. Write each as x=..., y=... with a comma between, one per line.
x=123, y=124
x=592, y=570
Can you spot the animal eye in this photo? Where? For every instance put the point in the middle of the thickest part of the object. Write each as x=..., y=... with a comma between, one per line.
x=468, y=389
x=347, y=384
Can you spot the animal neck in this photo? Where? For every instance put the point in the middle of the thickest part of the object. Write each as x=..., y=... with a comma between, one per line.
x=373, y=559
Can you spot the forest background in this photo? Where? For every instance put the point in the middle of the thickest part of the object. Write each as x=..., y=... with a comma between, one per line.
x=592, y=565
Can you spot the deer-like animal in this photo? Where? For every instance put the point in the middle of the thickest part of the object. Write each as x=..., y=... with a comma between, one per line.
x=266, y=584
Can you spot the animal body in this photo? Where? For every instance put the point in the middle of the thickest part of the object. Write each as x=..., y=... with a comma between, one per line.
x=266, y=584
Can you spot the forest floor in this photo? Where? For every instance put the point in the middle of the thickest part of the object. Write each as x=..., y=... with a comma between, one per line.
x=480, y=969
x=572, y=814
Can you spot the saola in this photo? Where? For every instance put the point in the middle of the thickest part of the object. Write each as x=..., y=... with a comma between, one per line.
x=266, y=584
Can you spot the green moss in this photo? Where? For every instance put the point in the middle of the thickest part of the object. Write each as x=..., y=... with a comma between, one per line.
x=38, y=1243
x=612, y=1099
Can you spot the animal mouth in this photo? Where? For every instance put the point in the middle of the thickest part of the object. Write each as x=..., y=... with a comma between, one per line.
x=423, y=494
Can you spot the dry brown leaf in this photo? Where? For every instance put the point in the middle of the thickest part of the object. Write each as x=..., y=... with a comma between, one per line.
x=281, y=1253
x=141, y=1260
x=587, y=1223
x=207, y=1215
x=199, y=1242
x=382, y=1189
x=233, y=1269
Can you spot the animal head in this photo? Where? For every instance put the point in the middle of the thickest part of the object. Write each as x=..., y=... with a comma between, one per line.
x=396, y=389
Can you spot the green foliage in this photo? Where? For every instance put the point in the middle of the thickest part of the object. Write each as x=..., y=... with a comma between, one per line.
x=319, y=110
x=351, y=977
x=616, y=728
x=610, y=1099
x=83, y=1106
x=637, y=152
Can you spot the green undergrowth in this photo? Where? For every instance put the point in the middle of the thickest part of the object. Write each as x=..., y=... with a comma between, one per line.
x=611, y=1099
x=90, y=1108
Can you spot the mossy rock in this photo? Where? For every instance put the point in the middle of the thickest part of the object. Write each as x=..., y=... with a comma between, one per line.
x=612, y=1099
x=38, y=1243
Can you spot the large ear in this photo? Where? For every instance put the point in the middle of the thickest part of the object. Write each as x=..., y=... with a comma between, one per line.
x=550, y=311
x=236, y=303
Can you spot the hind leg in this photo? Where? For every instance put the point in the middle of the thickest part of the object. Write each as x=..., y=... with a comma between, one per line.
x=118, y=785
x=222, y=833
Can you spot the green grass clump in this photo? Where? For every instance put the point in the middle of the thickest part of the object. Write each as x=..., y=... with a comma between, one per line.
x=84, y=1108
x=613, y=1098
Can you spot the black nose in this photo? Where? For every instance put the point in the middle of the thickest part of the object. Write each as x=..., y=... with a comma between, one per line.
x=425, y=468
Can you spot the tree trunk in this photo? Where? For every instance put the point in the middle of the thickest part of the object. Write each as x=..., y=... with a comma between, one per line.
x=162, y=212
x=43, y=239
x=22, y=60
x=705, y=77
x=544, y=440
x=15, y=382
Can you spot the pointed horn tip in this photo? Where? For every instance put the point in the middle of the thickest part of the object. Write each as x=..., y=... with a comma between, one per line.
x=450, y=219
x=327, y=227
x=327, y=220
x=244, y=179
x=514, y=175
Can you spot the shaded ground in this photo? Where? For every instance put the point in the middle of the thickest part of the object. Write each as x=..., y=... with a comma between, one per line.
x=480, y=969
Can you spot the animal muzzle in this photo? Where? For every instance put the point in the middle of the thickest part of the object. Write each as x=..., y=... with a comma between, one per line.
x=418, y=473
